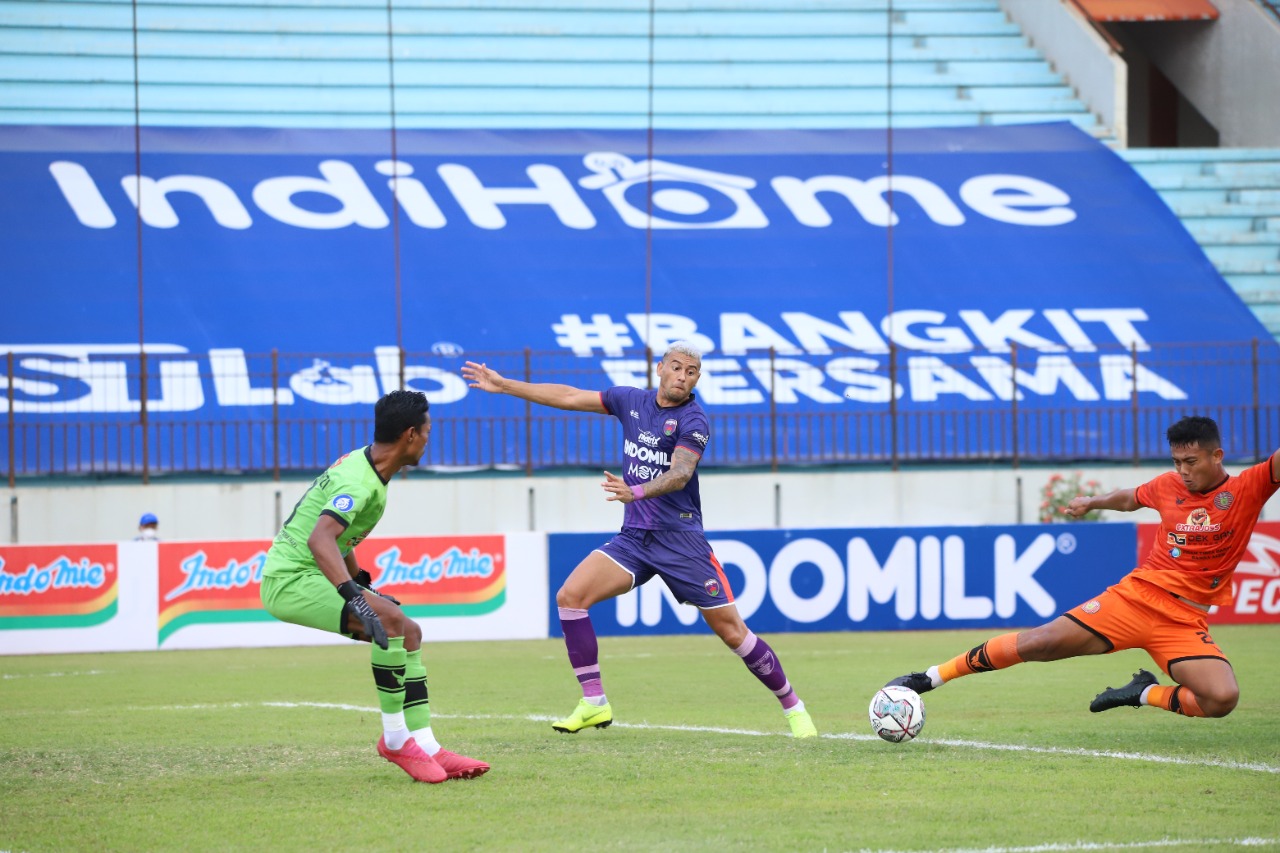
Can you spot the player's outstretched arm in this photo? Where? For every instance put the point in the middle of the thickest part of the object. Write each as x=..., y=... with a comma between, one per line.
x=544, y=393
x=1121, y=500
x=1275, y=467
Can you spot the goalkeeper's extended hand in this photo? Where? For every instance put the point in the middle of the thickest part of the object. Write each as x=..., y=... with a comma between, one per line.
x=366, y=580
x=369, y=620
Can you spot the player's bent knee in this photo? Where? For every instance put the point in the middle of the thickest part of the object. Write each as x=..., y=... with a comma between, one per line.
x=395, y=623
x=566, y=598
x=1219, y=704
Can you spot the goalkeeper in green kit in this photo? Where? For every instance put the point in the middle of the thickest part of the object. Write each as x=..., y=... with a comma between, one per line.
x=311, y=578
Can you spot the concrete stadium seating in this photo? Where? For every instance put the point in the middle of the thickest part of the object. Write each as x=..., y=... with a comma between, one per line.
x=571, y=63
x=1229, y=199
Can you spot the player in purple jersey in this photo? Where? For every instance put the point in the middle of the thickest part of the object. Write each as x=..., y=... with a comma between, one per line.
x=665, y=435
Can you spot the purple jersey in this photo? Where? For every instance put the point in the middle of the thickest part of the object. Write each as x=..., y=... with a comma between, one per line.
x=650, y=435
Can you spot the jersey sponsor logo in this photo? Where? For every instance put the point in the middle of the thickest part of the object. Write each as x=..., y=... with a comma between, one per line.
x=1092, y=606
x=643, y=472
x=700, y=438
x=343, y=503
x=712, y=587
x=646, y=454
x=1175, y=539
x=648, y=438
x=1223, y=500
x=669, y=427
x=1175, y=553
x=1198, y=521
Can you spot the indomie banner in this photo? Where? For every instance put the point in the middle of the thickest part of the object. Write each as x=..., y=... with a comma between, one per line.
x=1027, y=263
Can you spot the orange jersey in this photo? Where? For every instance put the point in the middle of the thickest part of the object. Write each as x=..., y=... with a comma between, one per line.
x=1203, y=534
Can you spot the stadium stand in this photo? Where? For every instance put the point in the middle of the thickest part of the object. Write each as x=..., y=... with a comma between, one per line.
x=1229, y=199
x=581, y=63
x=323, y=63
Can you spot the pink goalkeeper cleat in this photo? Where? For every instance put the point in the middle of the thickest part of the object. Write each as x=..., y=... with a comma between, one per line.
x=413, y=759
x=459, y=766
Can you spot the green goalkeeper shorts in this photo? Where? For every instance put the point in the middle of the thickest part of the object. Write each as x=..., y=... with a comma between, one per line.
x=305, y=598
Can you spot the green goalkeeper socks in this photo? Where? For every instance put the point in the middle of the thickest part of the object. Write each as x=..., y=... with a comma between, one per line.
x=389, y=675
x=417, y=713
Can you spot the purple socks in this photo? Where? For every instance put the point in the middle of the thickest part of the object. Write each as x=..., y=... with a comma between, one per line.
x=764, y=664
x=584, y=652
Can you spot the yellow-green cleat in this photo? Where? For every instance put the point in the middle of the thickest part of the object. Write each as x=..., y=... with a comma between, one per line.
x=587, y=715
x=801, y=723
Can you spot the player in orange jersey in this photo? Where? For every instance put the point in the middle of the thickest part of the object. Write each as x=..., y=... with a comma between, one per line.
x=1206, y=518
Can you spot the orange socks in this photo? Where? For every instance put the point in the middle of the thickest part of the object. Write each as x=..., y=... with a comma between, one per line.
x=1177, y=699
x=996, y=653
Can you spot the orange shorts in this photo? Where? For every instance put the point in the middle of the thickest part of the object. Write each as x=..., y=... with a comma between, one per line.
x=1137, y=614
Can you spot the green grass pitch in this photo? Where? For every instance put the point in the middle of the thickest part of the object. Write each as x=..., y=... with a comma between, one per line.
x=274, y=750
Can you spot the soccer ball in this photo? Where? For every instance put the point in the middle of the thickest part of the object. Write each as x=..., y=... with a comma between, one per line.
x=897, y=713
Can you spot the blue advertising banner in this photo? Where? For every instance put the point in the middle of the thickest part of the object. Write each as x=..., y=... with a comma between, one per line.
x=1026, y=262
x=908, y=578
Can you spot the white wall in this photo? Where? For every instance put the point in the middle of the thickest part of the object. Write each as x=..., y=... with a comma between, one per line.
x=1082, y=56
x=427, y=504
x=1229, y=69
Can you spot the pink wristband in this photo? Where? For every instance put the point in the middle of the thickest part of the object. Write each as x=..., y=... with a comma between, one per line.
x=638, y=491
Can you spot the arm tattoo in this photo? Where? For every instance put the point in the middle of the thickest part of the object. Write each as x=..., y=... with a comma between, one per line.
x=683, y=463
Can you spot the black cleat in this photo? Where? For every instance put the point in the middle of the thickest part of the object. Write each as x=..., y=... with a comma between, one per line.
x=1130, y=694
x=917, y=681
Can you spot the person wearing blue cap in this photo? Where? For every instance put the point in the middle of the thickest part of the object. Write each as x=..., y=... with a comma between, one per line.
x=148, y=527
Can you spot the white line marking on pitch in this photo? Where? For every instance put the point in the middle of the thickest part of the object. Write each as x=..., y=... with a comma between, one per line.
x=1101, y=845
x=8, y=675
x=964, y=744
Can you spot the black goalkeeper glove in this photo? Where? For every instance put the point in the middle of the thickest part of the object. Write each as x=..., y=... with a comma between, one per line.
x=366, y=580
x=369, y=620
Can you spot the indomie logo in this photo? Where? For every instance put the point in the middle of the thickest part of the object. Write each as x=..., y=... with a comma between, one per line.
x=234, y=575
x=453, y=563
x=62, y=573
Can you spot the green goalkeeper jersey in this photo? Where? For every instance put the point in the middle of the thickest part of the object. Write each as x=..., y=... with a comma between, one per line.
x=352, y=492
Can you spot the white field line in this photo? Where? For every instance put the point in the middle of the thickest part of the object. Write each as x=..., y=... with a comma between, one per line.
x=963, y=744
x=9, y=675
x=1194, y=843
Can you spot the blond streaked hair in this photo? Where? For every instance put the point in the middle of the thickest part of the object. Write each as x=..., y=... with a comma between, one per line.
x=684, y=348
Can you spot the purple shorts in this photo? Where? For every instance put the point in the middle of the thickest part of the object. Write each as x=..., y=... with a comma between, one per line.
x=682, y=558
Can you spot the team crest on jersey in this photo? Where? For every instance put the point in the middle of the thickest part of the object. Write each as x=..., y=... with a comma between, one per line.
x=712, y=587
x=669, y=427
x=1223, y=500
x=343, y=503
x=1092, y=606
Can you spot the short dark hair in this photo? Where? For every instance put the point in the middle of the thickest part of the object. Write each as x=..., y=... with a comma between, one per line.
x=396, y=412
x=1195, y=430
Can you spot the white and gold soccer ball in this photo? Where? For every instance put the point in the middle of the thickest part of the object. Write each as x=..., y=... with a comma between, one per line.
x=896, y=713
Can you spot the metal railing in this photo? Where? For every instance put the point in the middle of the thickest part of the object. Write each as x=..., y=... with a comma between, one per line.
x=226, y=412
